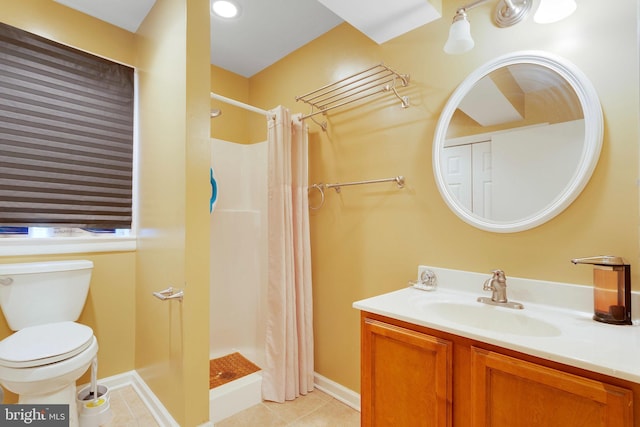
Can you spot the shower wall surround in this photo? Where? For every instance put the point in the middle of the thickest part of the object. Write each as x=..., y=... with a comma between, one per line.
x=238, y=250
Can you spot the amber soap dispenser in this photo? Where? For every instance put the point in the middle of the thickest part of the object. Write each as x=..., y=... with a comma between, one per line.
x=611, y=289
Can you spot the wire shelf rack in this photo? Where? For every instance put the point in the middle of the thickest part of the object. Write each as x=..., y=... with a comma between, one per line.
x=372, y=81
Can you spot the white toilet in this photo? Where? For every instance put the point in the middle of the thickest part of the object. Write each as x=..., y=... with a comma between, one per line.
x=49, y=351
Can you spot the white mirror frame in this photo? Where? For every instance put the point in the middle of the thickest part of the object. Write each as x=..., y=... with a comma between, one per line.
x=589, y=158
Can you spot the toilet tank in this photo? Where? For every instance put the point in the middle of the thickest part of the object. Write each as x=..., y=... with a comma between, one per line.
x=35, y=293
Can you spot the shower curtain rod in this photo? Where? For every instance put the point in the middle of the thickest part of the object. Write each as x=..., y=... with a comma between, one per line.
x=240, y=104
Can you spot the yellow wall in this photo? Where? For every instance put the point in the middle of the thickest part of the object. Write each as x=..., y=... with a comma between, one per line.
x=370, y=239
x=172, y=345
x=197, y=225
x=110, y=306
x=167, y=343
x=232, y=124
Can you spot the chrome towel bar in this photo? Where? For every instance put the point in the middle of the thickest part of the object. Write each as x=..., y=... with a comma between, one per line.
x=399, y=180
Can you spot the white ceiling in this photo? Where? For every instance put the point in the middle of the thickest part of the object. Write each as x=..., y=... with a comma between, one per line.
x=127, y=14
x=383, y=20
x=265, y=32
x=268, y=30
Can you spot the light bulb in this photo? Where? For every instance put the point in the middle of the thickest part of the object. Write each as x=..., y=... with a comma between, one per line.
x=554, y=10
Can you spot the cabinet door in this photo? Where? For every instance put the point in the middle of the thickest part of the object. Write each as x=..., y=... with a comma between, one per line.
x=406, y=377
x=508, y=392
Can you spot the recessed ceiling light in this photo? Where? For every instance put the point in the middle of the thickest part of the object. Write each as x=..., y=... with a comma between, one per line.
x=225, y=8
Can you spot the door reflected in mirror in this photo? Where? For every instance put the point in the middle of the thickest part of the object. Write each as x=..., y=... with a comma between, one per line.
x=517, y=142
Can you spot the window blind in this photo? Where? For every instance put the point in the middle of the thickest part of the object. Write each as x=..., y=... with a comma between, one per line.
x=66, y=135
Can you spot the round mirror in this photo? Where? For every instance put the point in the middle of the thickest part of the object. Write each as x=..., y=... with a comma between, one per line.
x=517, y=141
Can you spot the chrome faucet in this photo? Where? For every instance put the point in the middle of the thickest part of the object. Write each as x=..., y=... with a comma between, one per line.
x=497, y=284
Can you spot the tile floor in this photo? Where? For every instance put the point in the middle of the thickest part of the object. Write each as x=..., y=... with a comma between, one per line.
x=129, y=410
x=316, y=409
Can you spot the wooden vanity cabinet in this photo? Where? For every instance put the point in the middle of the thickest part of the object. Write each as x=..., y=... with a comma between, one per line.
x=406, y=377
x=416, y=376
x=507, y=391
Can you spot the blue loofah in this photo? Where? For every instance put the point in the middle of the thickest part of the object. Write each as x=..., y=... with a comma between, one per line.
x=214, y=191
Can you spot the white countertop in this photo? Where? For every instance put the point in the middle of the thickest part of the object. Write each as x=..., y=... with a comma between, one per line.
x=572, y=338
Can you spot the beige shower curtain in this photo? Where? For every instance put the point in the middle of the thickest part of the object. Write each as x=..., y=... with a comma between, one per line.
x=289, y=343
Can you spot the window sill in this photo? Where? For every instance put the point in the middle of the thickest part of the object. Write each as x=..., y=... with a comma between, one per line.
x=12, y=246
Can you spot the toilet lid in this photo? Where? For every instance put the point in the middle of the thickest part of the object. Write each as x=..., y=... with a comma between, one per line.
x=44, y=344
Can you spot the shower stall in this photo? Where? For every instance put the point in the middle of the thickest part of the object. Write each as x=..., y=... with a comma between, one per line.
x=238, y=273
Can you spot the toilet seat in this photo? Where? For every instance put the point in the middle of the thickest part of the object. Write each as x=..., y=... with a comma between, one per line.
x=44, y=344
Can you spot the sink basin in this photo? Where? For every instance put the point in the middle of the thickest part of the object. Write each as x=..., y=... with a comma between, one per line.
x=487, y=317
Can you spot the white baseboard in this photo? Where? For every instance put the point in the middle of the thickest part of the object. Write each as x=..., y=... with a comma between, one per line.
x=337, y=391
x=164, y=418
x=133, y=379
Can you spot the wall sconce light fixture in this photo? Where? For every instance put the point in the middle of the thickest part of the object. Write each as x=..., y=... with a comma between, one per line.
x=507, y=13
